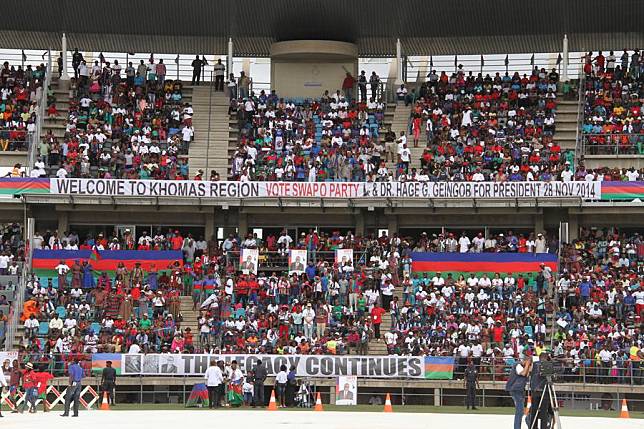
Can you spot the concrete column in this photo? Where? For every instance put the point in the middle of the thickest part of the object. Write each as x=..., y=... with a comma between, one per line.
x=538, y=223
x=64, y=76
x=399, y=80
x=360, y=223
x=437, y=396
x=63, y=222
x=573, y=226
x=332, y=395
x=565, y=60
x=209, y=223
x=392, y=223
x=242, y=228
x=229, y=59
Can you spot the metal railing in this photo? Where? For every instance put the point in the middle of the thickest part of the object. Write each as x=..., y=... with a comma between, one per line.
x=32, y=154
x=579, y=144
x=613, y=144
x=9, y=145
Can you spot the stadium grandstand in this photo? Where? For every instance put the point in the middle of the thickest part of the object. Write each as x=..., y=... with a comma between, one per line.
x=425, y=204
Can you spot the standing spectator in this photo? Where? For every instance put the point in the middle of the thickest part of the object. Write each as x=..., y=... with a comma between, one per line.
x=471, y=383
x=30, y=384
x=196, y=70
x=280, y=382
x=3, y=384
x=347, y=86
x=108, y=381
x=258, y=384
x=243, y=85
x=161, y=72
x=77, y=58
x=376, y=319
x=214, y=378
x=516, y=387
x=74, y=388
x=220, y=72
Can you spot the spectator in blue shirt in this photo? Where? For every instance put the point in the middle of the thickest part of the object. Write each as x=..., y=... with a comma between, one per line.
x=584, y=290
x=74, y=389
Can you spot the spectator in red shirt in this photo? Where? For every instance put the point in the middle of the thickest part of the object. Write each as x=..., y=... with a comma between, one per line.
x=347, y=86
x=376, y=318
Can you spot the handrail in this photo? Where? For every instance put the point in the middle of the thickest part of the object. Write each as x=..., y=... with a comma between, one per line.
x=36, y=136
x=579, y=144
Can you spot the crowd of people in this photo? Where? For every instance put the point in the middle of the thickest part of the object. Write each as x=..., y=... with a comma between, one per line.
x=124, y=121
x=12, y=256
x=332, y=309
x=333, y=138
x=497, y=127
x=613, y=96
x=20, y=91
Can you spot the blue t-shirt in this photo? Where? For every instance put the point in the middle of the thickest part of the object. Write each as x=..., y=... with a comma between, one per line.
x=76, y=372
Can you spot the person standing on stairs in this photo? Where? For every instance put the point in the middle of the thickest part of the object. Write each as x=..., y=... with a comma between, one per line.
x=376, y=318
x=220, y=72
x=196, y=70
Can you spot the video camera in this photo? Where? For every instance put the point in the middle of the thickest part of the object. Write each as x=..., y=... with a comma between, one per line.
x=549, y=369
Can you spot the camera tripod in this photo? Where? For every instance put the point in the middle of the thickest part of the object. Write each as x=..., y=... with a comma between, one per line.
x=555, y=421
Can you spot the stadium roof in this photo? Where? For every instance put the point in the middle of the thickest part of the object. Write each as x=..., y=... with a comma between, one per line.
x=425, y=27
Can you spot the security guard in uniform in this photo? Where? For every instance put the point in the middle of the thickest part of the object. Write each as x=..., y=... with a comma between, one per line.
x=471, y=382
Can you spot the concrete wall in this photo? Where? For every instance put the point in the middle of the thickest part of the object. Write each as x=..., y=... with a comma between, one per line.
x=304, y=79
x=306, y=68
x=614, y=161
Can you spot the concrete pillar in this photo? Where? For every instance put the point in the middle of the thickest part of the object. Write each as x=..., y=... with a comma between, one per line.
x=63, y=222
x=360, y=223
x=399, y=80
x=437, y=396
x=332, y=395
x=209, y=223
x=538, y=223
x=573, y=226
x=392, y=223
x=229, y=59
x=242, y=228
x=565, y=60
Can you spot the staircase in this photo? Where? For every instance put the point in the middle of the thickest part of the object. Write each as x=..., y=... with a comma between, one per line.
x=379, y=348
x=210, y=152
x=566, y=124
x=190, y=316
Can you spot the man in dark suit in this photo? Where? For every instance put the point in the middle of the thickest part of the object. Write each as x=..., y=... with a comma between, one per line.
x=346, y=394
x=248, y=265
x=169, y=367
x=297, y=265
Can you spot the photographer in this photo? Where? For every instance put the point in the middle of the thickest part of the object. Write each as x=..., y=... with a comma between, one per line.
x=516, y=386
x=541, y=405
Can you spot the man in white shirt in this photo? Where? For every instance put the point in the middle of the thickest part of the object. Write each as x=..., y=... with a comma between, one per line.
x=464, y=243
x=214, y=379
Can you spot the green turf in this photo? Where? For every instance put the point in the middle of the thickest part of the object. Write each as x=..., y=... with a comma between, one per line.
x=397, y=408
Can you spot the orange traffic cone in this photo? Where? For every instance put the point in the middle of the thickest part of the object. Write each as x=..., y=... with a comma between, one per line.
x=528, y=406
x=318, y=403
x=272, y=405
x=388, y=407
x=624, y=413
x=105, y=406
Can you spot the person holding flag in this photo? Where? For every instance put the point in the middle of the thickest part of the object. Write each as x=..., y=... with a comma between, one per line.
x=42, y=378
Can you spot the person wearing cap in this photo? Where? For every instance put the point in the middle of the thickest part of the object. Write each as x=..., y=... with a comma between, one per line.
x=108, y=381
x=74, y=389
x=30, y=384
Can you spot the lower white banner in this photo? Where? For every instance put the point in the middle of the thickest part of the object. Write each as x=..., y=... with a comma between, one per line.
x=305, y=365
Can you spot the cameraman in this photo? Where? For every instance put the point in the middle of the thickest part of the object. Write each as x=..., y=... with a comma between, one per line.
x=516, y=386
x=541, y=405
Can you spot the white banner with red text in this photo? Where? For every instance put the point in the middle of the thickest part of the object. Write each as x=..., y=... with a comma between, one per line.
x=422, y=190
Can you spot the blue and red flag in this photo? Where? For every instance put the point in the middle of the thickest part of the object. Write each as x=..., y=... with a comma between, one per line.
x=479, y=263
x=106, y=260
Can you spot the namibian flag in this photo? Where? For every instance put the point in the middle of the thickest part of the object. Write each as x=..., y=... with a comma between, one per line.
x=622, y=190
x=45, y=261
x=23, y=185
x=99, y=361
x=480, y=263
x=198, y=397
x=439, y=367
